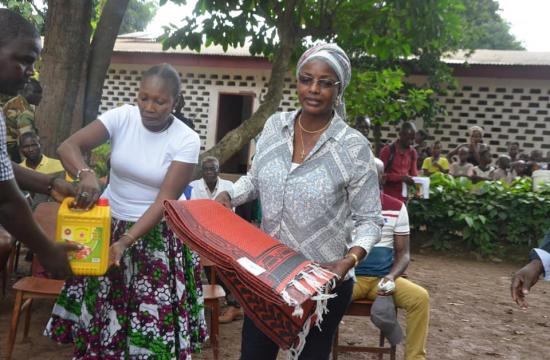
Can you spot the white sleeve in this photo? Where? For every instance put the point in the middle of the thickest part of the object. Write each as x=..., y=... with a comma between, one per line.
x=114, y=119
x=189, y=150
x=545, y=259
x=402, y=224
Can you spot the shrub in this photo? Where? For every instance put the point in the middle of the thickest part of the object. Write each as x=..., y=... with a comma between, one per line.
x=482, y=215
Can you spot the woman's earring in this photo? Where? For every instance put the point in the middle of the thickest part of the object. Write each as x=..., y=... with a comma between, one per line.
x=337, y=102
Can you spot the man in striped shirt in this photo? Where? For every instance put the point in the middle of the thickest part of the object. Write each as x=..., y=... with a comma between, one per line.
x=388, y=260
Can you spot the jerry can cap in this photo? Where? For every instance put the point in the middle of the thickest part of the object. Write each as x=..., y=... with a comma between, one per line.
x=102, y=202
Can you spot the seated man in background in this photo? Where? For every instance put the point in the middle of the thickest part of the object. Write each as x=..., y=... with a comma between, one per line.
x=29, y=144
x=503, y=171
x=462, y=167
x=210, y=185
x=208, y=188
x=436, y=162
x=483, y=171
x=19, y=113
x=388, y=260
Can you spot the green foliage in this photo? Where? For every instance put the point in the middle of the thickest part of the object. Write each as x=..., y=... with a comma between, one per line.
x=138, y=15
x=99, y=159
x=487, y=29
x=31, y=10
x=482, y=216
x=377, y=36
x=385, y=97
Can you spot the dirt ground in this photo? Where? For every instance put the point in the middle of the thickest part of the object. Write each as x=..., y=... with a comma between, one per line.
x=472, y=317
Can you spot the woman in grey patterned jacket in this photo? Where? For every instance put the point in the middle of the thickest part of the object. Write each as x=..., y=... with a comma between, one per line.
x=317, y=183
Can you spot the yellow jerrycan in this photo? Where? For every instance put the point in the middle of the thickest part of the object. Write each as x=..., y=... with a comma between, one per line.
x=90, y=228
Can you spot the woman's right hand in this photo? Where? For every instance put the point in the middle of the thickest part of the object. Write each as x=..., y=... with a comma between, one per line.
x=87, y=192
x=224, y=199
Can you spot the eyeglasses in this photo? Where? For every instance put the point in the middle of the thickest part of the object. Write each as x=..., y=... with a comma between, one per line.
x=323, y=83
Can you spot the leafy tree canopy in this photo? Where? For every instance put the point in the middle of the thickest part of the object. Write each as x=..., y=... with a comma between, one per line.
x=138, y=15
x=488, y=30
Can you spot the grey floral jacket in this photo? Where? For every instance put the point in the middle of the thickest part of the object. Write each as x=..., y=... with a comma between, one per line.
x=327, y=204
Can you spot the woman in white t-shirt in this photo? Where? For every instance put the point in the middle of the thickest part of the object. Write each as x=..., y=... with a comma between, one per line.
x=149, y=305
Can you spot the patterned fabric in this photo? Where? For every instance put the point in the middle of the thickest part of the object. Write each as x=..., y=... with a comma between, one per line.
x=6, y=171
x=329, y=203
x=19, y=118
x=149, y=308
x=337, y=59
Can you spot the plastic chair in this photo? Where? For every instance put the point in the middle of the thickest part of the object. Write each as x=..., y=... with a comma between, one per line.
x=362, y=308
x=36, y=286
x=212, y=294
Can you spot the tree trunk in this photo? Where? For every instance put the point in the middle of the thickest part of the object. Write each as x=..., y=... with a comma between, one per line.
x=100, y=55
x=234, y=140
x=65, y=55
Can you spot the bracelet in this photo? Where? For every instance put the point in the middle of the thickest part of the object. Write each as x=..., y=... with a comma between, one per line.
x=132, y=237
x=79, y=172
x=355, y=258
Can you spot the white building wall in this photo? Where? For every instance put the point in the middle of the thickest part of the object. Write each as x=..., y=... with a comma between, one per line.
x=508, y=109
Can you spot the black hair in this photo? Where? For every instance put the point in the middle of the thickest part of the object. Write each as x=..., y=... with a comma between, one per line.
x=13, y=26
x=407, y=126
x=167, y=73
x=32, y=86
x=28, y=135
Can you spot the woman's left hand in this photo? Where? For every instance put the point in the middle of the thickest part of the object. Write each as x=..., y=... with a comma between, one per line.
x=339, y=267
x=116, y=251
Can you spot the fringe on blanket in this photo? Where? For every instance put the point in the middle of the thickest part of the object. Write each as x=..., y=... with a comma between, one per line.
x=310, y=276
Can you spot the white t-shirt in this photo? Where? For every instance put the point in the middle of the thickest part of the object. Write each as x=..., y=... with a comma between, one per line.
x=140, y=159
x=201, y=191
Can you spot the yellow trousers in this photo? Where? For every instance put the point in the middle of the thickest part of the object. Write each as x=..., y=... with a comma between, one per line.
x=414, y=299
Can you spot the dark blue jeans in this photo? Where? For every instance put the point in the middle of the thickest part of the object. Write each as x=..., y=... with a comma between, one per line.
x=255, y=345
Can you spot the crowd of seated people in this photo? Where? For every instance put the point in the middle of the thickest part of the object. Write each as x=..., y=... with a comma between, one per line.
x=476, y=161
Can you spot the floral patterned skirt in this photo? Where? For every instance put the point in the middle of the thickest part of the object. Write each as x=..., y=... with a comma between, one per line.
x=151, y=307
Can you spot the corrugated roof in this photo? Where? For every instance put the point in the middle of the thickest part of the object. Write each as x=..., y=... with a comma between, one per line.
x=142, y=42
x=500, y=57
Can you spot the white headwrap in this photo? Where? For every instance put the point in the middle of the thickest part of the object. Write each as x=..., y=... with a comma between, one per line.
x=337, y=59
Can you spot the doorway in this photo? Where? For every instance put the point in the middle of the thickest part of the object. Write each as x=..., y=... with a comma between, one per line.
x=233, y=109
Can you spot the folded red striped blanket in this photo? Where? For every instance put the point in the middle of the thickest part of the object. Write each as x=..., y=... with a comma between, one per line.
x=278, y=288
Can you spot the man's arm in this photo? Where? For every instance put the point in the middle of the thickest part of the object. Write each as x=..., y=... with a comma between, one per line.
x=402, y=256
x=49, y=184
x=30, y=180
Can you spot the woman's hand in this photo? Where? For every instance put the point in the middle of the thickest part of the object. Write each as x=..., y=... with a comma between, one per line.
x=224, y=199
x=339, y=267
x=117, y=250
x=87, y=192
